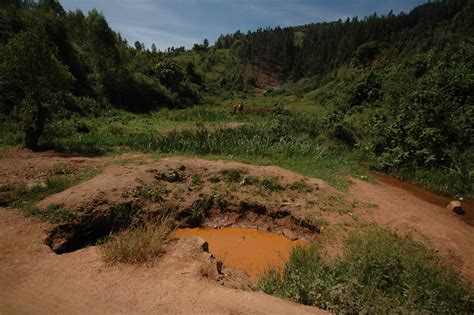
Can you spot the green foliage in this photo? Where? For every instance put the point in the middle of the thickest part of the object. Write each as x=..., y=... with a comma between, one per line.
x=196, y=180
x=153, y=194
x=200, y=210
x=53, y=214
x=379, y=273
x=30, y=68
x=234, y=175
x=301, y=186
x=59, y=179
x=272, y=184
x=366, y=53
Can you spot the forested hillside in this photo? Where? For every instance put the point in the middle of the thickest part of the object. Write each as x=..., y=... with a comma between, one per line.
x=399, y=87
x=394, y=90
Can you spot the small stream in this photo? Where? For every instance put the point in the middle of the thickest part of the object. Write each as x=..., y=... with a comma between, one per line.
x=242, y=248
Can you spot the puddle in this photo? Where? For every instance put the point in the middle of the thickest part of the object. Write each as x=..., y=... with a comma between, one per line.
x=429, y=196
x=248, y=249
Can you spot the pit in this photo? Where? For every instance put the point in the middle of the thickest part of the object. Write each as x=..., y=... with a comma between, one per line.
x=251, y=250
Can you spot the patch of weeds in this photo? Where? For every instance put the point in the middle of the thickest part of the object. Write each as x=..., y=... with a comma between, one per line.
x=301, y=186
x=233, y=175
x=221, y=202
x=179, y=193
x=250, y=180
x=138, y=244
x=272, y=184
x=60, y=178
x=214, y=179
x=200, y=210
x=252, y=206
x=53, y=214
x=123, y=215
x=380, y=273
x=196, y=180
x=153, y=194
x=62, y=169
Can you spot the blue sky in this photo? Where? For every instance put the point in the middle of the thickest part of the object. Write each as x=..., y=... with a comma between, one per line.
x=185, y=22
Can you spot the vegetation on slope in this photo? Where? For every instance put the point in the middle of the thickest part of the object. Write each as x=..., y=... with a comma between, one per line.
x=380, y=271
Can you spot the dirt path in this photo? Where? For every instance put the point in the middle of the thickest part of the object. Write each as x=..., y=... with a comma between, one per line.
x=35, y=280
x=402, y=211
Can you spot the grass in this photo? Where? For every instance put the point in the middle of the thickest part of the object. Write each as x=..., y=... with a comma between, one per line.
x=153, y=194
x=196, y=180
x=60, y=178
x=138, y=244
x=301, y=186
x=53, y=214
x=380, y=272
x=233, y=175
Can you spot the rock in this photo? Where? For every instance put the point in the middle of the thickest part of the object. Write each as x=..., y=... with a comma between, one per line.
x=456, y=207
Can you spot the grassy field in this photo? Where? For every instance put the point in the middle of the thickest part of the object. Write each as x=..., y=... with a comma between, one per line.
x=287, y=131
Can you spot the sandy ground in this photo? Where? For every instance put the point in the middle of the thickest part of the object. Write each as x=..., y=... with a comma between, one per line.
x=35, y=280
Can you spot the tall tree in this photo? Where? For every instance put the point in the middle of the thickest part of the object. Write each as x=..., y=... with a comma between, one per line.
x=29, y=63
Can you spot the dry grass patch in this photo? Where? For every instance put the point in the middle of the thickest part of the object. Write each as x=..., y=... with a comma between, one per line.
x=138, y=244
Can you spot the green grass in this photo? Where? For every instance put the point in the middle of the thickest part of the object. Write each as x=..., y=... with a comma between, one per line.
x=53, y=214
x=60, y=178
x=380, y=273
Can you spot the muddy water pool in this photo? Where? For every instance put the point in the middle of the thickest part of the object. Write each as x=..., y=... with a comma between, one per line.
x=248, y=249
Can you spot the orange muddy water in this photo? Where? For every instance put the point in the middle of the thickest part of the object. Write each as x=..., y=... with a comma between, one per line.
x=247, y=249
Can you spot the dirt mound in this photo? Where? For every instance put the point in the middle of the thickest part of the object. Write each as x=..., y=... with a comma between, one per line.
x=197, y=192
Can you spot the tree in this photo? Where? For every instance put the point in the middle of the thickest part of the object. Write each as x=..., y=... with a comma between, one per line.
x=206, y=43
x=138, y=45
x=169, y=73
x=29, y=65
x=153, y=47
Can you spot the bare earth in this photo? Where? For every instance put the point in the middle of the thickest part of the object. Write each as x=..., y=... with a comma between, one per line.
x=33, y=279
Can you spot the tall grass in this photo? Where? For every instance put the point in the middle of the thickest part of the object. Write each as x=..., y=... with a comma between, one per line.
x=380, y=273
x=138, y=244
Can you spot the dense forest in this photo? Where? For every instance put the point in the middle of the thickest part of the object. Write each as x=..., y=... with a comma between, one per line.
x=398, y=88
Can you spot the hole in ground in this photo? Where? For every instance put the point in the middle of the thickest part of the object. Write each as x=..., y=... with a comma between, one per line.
x=242, y=248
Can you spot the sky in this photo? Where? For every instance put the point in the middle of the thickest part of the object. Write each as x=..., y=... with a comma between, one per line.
x=178, y=23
